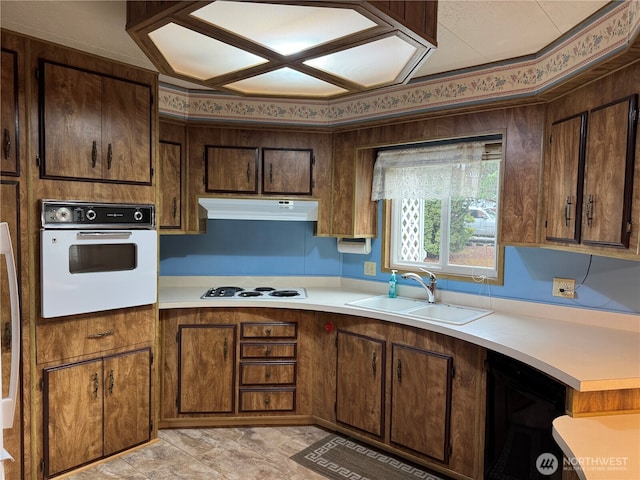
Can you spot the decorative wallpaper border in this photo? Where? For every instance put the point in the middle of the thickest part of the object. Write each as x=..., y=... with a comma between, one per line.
x=604, y=36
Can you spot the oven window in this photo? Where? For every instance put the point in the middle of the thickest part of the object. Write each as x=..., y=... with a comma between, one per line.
x=102, y=258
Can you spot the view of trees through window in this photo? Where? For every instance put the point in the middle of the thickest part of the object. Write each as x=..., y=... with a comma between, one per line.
x=452, y=235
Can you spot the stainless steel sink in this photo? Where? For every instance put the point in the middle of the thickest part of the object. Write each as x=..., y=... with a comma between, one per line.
x=420, y=310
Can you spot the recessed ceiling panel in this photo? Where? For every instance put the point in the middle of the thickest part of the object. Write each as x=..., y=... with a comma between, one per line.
x=285, y=81
x=195, y=55
x=285, y=29
x=371, y=64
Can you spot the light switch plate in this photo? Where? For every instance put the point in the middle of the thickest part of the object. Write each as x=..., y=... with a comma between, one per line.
x=564, y=287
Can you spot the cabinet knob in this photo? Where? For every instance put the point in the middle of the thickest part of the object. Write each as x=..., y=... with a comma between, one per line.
x=267, y=400
x=267, y=351
x=267, y=331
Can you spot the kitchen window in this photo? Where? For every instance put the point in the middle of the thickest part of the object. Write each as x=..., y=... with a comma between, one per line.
x=441, y=207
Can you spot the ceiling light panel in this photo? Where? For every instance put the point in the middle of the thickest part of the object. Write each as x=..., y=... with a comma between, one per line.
x=371, y=64
x=285, y=81
x=199, y=56
x=285, y=29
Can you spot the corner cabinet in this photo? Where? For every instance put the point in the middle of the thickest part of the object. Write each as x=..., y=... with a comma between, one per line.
x=94, y=127
x=409, y=391
x=592, y=174
x=106, y=402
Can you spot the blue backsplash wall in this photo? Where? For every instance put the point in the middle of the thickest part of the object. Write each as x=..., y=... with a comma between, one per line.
x=258, y=248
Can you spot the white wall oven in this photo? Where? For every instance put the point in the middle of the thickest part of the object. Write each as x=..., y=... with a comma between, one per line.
x=96, y=256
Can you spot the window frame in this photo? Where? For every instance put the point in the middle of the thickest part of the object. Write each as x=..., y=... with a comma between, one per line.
x=387, y=233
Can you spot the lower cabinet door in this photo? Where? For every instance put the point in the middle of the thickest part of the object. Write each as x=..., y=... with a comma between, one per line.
x=421, y=401
x=127, y=400
x=72, y=415
x=206, y=368
x=360, y=382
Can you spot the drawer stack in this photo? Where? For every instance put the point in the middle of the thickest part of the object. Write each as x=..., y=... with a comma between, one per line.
x=268, y=359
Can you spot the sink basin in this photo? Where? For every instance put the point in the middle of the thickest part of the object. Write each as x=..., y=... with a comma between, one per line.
x=442, y=312
x=383, y=303
x=418, y=309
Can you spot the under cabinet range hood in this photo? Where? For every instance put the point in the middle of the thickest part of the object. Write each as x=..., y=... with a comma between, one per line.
x=260, y=209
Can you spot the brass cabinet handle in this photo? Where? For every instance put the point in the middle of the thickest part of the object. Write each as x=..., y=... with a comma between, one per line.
x=248, y=172
x=101, y=334
x=96, y=385
x=267, y=331
x=94, y=154
x=109, y=156
x=567, y=211
x=399, y=371
x=267, y=351
x=225, y=348
x=112, y=382
x=590, y=210
x=175, y=207
x=374, y=361
x=7, y=144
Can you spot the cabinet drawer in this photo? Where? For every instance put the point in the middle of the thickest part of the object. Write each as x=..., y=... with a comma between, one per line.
x=267, y=400
x=94, y=332
x=268, y=350
x=269, y=330
x=268, y=373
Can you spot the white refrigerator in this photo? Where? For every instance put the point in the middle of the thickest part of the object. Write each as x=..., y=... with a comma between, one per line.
x=8, y=404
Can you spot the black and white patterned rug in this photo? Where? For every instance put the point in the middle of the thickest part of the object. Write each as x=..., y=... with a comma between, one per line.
x=340, y=458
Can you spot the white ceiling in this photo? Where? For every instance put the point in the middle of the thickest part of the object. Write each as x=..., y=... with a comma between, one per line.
x=470, y=32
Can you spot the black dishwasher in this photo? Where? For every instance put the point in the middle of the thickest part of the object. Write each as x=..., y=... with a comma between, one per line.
x=521, y=405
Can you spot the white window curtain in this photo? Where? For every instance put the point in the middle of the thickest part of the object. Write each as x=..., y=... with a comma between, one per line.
x=435, y=172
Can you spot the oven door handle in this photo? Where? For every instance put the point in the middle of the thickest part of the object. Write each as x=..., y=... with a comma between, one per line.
x=108, y=235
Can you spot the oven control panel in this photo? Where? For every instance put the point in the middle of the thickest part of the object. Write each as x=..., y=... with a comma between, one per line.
x=71, y=214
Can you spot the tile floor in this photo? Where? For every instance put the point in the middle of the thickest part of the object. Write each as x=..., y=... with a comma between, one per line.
x=215, y=454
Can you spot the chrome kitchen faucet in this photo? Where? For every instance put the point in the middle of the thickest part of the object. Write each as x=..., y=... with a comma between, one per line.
x=430, y=288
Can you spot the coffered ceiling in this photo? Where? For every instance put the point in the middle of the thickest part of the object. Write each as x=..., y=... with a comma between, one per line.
x=470, y=33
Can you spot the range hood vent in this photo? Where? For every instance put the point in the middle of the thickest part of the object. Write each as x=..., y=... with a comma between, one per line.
x=260, y=209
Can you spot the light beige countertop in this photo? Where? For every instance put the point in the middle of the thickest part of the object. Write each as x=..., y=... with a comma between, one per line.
x=585, y=349
x=588, y=350
x=618, y=441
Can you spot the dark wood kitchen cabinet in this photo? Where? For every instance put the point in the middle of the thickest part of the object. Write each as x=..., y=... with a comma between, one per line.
x=592, y=174
x=94, y=127
x=258, y=162
x=172, y=177
x=9, y=119
x=95, y=408
x=360, y=382
x=206, y=368
x=287, y=171
x=268, y=366
x=425, y=401
x=420, y=418
x=591, y=162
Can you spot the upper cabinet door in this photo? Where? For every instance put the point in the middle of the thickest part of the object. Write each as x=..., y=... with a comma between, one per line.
x=70, y=133
x=94, y=127
x=564, y=190
x=287, y=171
x=231, y=169
x=126, y=131
x=608, y=179
x=9, y=113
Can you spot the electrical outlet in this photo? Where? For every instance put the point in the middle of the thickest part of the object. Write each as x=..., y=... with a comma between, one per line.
x=564, y=287
x=370, y=269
